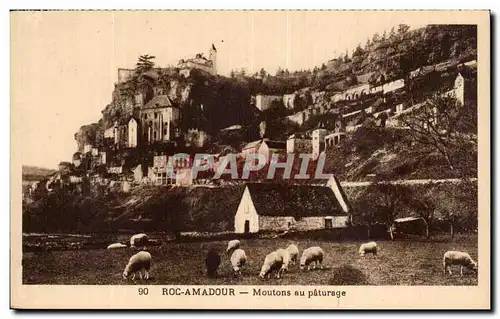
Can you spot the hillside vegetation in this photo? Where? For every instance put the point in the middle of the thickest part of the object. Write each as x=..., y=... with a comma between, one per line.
x=212, y=102
x=34, y=173
x=374, y=151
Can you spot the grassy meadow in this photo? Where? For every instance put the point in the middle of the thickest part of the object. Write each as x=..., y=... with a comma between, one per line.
x=417, y=262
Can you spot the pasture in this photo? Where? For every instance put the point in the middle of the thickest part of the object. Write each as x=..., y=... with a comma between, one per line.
x=398, y=263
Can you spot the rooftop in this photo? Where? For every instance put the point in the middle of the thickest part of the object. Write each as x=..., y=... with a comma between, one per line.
x=276, y=199
x=160, y=101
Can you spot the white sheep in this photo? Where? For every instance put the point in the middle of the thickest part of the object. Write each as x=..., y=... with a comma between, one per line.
x=285, y=257
x=368, y=248
x=232, y=245
x=312, y=255
x=458, y=258
x=138, y=240
x=272, y=262
x=138, y=263
x=238, y=260
x=293, y=250
x=116, y=245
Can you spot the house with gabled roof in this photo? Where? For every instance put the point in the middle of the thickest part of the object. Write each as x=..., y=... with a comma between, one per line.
x=283, y=207
x=264, y=147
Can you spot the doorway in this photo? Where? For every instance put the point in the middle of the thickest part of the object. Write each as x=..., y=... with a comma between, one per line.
x=328, y=223
x=247, y=226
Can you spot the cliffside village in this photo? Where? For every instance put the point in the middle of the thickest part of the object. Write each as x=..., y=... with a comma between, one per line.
x=156, y=118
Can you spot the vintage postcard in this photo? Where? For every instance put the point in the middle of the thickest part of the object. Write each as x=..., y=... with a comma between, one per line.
x=250, y=160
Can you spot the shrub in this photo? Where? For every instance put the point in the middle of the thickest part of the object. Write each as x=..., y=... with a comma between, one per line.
x=347, y=275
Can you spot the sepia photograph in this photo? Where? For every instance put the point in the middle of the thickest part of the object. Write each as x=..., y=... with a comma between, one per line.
x=258, y=155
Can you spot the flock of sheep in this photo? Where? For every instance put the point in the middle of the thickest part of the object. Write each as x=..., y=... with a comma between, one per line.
x=277, y=262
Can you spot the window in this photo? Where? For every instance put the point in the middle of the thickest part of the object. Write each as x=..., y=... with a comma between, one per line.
x=328, y=223
x=164, y=131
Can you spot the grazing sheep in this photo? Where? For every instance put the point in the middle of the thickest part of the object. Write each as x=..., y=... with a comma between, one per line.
x=293, y=250
x=458, y=258
x=272, y=262
x=312, y=255
x=238, y=260
x=212, y=262
x=285, y=258
x=232, y=245
x=368, y=248
x=137, y=263
x=138, y=240
x=116, y=245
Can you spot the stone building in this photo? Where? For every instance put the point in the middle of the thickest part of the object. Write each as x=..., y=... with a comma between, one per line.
x=87, y=148
x=268, y=148
x=356, y=92
x=158, y=172
x=251, y=148
x=299, y=118
x=264, y=147
x=157, y=120
x=163, y=164
x=334, y=139
x=195, y=137
x=280, y=207
x=199, y=62
x=264, y=102
x=299, y=143
x=465, y=86
x=133, y=132
x=318, y=141
x=289, y=100
x=125, y=74
x=109, y=133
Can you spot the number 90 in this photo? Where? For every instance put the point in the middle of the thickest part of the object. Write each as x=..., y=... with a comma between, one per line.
x=143, y=291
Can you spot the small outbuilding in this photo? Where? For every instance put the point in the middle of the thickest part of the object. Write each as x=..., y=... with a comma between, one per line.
x=409, y=226
x=280, y=207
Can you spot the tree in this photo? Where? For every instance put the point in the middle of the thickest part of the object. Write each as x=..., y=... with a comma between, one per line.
x=367, y=211
x=358, y=51
x=299, y=104
x=388, y=200
x=425, y=206
x=346, y=57
x=263, y=73
x=403, y=29
x=459, y=206
x=280, y=72
x=392, y=33
x=145, y=63
x=368, y=43
x=436, y=124
x=167, y=208
x=308, y=98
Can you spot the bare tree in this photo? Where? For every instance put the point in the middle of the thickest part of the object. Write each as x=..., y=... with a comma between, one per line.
x=425, y=206
x=436, y=123
x=387, y=202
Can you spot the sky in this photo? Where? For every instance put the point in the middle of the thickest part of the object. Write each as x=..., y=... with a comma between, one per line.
x=64, y=64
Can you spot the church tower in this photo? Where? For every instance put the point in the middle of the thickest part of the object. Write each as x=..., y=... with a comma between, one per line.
x=213, y=58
